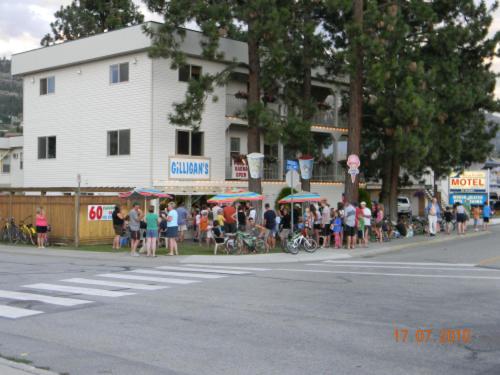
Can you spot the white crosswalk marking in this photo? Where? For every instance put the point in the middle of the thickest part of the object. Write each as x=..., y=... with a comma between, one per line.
x=391, y=274
x=16, y=312
x=398, y=267
x=148, y=278
x=181, y=274
x=21, y=296
x=229, y=268
x=78, y=290
x=218, y=270
x=117, y=284
x=401, y=263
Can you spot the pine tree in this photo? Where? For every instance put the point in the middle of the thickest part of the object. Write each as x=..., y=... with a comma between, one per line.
x=88, y=17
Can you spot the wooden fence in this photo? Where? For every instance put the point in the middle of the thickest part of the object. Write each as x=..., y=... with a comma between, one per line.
x=60, y=212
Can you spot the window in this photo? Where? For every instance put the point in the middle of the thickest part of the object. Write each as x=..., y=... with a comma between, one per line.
x=6, y=164
x=46, y=147
x=189, y=143
x=118, y=73
x=119, y=142
x=188, y=72
x=21, y=161
x=235, y=147
x=47, y=85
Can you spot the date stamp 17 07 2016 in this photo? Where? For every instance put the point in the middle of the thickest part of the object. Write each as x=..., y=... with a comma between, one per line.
x=438, y=336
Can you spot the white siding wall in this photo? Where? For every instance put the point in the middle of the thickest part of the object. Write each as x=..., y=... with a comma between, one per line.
x=84, y=107
x=167, y=89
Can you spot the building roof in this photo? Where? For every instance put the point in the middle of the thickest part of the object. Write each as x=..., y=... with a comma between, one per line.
x=124, y=41
x=11, y=142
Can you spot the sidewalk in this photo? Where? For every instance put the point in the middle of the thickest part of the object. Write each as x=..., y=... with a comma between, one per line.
x=319, y=255
x=14, y=368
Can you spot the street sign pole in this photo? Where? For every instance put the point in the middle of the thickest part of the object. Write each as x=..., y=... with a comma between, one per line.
x=291, y=206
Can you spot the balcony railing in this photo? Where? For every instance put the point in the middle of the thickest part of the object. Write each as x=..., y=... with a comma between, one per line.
x=328, y=173
x=327, y=118
x=236, y=107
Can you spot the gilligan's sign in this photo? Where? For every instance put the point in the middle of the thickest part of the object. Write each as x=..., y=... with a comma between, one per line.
x=469, y=182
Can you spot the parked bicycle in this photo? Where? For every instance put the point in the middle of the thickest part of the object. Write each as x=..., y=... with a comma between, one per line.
x=27, y=232
x=299, y=241
x=10, y=232
x=242, y=241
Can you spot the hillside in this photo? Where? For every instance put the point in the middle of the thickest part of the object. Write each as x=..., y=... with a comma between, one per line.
x=10, y=94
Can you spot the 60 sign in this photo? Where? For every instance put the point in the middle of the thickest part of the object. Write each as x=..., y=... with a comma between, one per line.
x=99, y=212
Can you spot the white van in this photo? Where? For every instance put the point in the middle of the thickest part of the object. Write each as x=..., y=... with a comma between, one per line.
x=404, y=205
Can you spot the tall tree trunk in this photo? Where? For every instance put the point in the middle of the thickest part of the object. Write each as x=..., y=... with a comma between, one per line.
x=393, y=193
x=386, y=180
x=253, y=139
x=356, y=102
x=307, y=113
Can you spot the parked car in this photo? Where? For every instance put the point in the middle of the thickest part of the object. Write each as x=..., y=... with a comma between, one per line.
x=404, y=205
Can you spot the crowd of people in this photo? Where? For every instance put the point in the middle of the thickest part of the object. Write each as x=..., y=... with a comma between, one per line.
x=347, y=225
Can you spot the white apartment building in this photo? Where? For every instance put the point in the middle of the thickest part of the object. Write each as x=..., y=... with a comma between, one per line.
x=99, y=107
x=11, y=162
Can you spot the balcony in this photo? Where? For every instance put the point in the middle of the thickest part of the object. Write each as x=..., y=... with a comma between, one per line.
x=236, y=107
x=327, y=118
x=328, y=173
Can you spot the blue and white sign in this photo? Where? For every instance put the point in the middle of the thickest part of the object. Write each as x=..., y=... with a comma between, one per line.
x=189, y=168
x=292, y=165
x=468, y=199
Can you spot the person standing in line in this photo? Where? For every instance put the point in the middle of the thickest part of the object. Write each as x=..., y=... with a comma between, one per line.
x=41, y=227
x=252, y=214
x=350, y=225
x=360, y=225
x=183, y=220
x=203, y=228
x=242, y=219
x=341, y=213
x=326, y=217
x=152, y=220
x=448, y=217
x=475, y=216
x=172, y=229
x=336, y=227
x=229, y=219
x=285, y=224
x=270, y=225
x=461, y=219
x=316, y=222
x=118, y=223
x=432, y=216
x=134, y=224
x=379, y=222
x=367, y=215
x=215, y=211
x=486, y=215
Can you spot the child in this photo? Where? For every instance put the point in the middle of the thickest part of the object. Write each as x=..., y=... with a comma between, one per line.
x=361, y=229
x=220, y=219
x=475, y=215
x=336, y=227
x=203, y=227
x=197, y=219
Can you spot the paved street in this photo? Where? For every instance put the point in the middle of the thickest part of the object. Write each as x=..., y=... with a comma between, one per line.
x=81, y=316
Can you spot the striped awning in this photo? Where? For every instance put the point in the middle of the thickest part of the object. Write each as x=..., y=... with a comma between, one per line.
x=304, y=196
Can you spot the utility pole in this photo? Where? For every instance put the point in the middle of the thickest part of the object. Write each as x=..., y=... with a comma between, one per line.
x=356, y=99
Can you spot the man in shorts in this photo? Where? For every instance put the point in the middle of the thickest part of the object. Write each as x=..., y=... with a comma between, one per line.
x=182, y=220
x=325, y=222
x=486, y=215
x=134, y=225
x=270, y=225
x=350, y=225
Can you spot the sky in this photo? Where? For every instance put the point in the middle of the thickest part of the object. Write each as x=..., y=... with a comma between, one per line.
x=23, y=23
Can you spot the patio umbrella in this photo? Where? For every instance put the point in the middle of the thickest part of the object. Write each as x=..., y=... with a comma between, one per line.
x=139, y=193
x=302, y=197
x=236, y=195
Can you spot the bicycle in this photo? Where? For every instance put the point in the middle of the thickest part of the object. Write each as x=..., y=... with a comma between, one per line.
x=241, y=240
x=10, y=232
x=299, y=241
x=27, y=232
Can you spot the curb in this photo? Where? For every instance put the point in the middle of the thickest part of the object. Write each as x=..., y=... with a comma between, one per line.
x=261, y=258
x=15, y=368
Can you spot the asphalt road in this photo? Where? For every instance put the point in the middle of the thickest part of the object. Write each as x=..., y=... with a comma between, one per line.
x=333, y=317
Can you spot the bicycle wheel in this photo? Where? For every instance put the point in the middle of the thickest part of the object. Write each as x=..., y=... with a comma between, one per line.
x=260, y=246
x=292, y=247
x=23, y=237
x=14, y=235
x=310, y=245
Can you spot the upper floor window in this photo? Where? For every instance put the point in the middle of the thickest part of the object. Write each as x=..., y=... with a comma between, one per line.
x=6, y=164
x=21, y=161
x=235, y=147
x=119, y=142
x=188, y=72
x=118, y=73
x=47, y=147
x=47, y=85
x=189, y=143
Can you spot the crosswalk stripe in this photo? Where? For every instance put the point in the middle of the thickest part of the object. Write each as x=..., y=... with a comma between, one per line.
x=21, y=296
x=218, y=270
x=148, y=278
x=181, y=274
x=78, y=290
x=16, y=312
x=400, y=267
x=403, y=263
x=229, y=268
x=392, y=274
x=117, y=284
